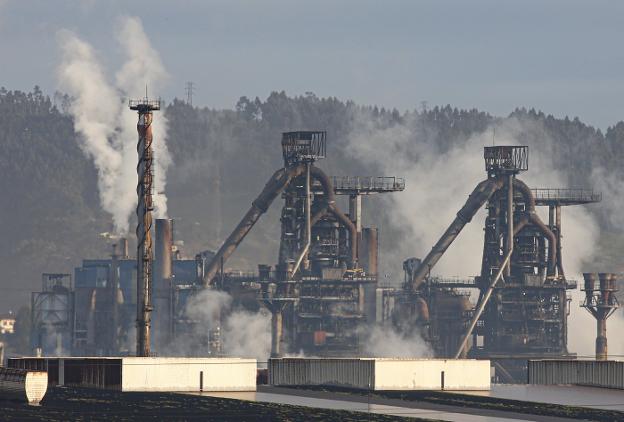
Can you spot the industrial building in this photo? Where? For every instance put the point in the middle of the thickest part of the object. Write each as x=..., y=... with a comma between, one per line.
x=323, y=291
x=522, y=307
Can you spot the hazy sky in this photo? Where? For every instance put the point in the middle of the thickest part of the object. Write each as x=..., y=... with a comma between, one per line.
x=564, y=57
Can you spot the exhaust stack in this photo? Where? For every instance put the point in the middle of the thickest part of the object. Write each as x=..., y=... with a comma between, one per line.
x=600, y=301
x=145, y=173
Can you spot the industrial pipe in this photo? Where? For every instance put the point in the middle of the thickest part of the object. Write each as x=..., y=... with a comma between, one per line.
x=352, y=232
x=552, y=242
x=526, y=193
x=510, y=220
x=559, y=254
x=308, y=227
x=479, y=196
x=328, y=189
x=482, y=304
x=276, y=184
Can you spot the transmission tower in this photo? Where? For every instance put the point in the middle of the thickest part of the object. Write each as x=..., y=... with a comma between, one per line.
x=189, y=93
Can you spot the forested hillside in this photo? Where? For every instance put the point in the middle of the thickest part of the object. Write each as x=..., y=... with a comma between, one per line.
x=51, y=217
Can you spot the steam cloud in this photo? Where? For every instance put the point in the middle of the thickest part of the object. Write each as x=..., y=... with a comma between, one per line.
x=243, y=333
x=385, y=342
x=438, y=181
x=107, y=127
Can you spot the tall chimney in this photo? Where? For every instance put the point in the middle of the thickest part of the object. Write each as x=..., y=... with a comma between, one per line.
x=145, y=174
x=123, y=248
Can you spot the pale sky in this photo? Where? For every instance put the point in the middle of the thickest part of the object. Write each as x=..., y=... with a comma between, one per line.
x=564, y=57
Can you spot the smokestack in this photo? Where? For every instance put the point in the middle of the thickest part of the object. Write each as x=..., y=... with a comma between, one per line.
x=163, y=263
x=145, y=173
x=600, y=301
x=123, y=246
x=113, y=287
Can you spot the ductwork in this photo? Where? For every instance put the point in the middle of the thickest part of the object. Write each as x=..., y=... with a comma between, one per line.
x=328, y=189
x=479, y=196
x=276, y=184
x=534, y=219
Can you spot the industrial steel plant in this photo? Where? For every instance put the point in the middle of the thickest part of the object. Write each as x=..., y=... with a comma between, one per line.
x=323, y=291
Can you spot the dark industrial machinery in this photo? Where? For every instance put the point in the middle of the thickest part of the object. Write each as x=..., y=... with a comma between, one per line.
x=145, y=108
x=600, y=301
x=52, y=315
x=522, y=305
x=323, y=285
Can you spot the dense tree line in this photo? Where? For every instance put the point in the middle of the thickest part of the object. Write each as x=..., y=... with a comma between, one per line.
x=222, y=158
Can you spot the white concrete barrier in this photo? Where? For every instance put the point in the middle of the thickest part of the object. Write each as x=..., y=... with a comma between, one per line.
x=147, y=374
x=23, y=385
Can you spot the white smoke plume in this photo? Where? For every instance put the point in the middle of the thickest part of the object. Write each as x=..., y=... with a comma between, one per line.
x=385, y=342
x=437, y=184
x=106, y=125
x=243, y=333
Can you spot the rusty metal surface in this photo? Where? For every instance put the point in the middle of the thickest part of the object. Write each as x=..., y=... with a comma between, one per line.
x=601, y=302
x=144, y=226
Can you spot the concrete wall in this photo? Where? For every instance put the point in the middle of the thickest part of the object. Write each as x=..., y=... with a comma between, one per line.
x=382, y=374
x=432, y=374
x=188, y=374
x=608, y=374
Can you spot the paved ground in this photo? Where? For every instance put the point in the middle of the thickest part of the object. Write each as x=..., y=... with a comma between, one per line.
x=461, y=403
x=73, y=404
x=569, y=395
x=357, y=403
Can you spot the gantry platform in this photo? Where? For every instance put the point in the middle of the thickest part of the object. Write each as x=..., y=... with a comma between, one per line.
x=359, y=185
x=562, y=197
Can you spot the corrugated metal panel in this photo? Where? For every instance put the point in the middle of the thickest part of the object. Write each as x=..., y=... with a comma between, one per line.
x=353, y=373
x=609, y=374
x=382, y=374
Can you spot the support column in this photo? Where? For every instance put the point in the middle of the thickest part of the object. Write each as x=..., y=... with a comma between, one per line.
x=601, y=339
x=510, y=225
x=277, y=327
x=558, y=234
x=355, y=211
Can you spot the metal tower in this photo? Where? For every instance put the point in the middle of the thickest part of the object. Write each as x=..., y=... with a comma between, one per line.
x=145, y=173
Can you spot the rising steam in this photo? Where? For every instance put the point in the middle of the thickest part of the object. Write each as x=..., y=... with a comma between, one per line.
x=243, y=333
x=107, y=127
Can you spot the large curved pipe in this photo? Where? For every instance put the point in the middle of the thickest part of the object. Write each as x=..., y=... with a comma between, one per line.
x=328, y=189
x=352, y=232
x=537, y=221
x=552, y=242
x=479, y=196
x=276, y=184
x=526, y=193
